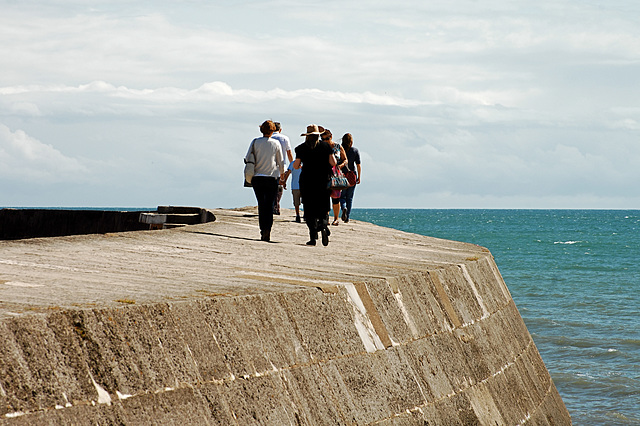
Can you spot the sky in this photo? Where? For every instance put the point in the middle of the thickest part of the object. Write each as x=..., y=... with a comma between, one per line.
x=460, y=104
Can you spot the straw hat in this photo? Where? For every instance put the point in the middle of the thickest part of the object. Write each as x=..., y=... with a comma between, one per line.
x=313, y=129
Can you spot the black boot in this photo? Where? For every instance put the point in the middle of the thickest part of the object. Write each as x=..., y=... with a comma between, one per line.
x=325, y=236
x=313, y=236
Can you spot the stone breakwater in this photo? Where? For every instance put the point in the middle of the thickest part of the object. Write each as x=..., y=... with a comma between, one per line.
x=207, y=325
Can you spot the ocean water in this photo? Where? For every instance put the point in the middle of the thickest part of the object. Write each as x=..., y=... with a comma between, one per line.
x=575, y=277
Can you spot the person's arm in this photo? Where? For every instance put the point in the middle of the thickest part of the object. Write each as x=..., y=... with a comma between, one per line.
x=249, y=153
x=297, y=164
x=290, y=155
x=280, y=161
x=343, y=158
x=359, y=172
x=332, y=160
x=284, y=180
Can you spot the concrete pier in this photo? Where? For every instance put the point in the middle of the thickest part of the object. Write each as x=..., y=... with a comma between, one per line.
x=205, y=324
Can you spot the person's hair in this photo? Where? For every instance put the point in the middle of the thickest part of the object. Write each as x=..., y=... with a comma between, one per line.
x=278, y=127
x=267, y=127
x=347, y=140
x=327, y=132
x=312, y=140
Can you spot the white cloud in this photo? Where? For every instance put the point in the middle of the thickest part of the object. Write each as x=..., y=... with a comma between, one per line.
x=23, y=158
x=488, y=102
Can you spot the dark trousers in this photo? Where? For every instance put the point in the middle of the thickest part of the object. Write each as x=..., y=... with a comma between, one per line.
x=265, y=188
x=316, y=210
x=276, y=202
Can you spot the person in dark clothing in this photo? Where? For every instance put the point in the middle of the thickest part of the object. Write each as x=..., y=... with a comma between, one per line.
x=353, y=164
x=316, y=159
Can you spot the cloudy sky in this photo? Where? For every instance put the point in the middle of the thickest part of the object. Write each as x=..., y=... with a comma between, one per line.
x=460, y=104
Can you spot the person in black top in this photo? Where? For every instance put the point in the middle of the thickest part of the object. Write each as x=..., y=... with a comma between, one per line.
x=353, y=164
x=316, y=159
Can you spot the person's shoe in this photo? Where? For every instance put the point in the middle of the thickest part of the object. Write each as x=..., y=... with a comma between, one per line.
x=335, y=223
x=265, y=236
x=344, y=216
x=298, y=219
x=325, y=236
x=311, y=242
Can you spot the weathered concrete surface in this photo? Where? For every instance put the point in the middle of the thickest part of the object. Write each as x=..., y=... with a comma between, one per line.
x=207, y=325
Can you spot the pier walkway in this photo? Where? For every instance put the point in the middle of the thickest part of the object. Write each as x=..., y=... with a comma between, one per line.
x=205, y=324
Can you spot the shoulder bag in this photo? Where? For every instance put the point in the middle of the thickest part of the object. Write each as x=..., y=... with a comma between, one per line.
x=337, y=181
x=249, y=167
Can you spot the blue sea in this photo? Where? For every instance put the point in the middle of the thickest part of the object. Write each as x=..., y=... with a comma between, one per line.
x=575, y=277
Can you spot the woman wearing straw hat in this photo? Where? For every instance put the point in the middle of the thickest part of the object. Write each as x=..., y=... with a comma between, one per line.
x=316, y=159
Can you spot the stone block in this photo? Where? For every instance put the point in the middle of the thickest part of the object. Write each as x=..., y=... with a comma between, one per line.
x=201, y=355
x=489, y=289
x=423, y=304
x=172, y=332
x=137, y=354
x=16, y=380
x=324, y=323
x=358, y=387
x=260, y=400
x=554, y=409
x=169, y=407
x=429, y=372
x=446, y=413
x=446, y=348
x=405, y=307
x=505, y=399
x=34, y=372
x=314, y=396
x=490, y=359
x=460, y=294
x=483, y=405
x=275, y=331
x=474, y=353
x=438, y=296
x=85, y=414
x=239, y=345
x=220, y=412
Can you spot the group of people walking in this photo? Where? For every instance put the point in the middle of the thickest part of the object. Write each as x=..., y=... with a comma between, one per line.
x=315, y=160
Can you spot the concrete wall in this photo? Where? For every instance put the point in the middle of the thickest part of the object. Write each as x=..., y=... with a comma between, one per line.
x=32, y=223
x=35, y=223
x=443, y=346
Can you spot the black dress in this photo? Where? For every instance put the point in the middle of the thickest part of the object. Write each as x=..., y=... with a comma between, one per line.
x=314, y=181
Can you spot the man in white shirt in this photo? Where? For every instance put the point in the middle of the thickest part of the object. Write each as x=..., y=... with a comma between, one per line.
x=287, y=156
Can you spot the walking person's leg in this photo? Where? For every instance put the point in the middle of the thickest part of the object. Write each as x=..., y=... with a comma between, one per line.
x=296, y=202
x=276, y=201
x=336, y=209
x=265, y=189
x=346, y=201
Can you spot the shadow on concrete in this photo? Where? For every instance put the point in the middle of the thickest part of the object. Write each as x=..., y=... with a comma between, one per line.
x=226, y=236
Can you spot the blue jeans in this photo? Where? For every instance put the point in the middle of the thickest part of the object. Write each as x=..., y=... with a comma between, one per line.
x=346, y=199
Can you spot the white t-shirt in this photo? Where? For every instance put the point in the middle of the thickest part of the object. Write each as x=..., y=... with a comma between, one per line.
x=286, y=146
